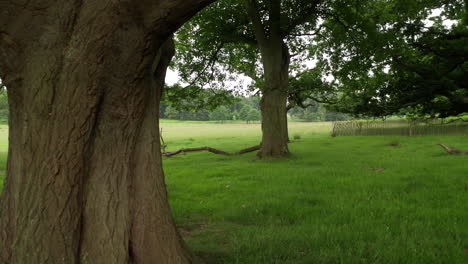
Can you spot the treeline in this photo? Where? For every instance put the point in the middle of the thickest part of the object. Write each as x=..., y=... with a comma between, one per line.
x=317, y=112
x=244, y=108
x=248, y=109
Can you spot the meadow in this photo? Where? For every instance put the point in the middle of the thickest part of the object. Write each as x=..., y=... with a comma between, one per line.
x=360, y=199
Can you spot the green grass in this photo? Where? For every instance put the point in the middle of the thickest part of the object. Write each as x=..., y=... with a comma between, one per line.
x=3, y=152
x=3, y=138
x=335, y=200
x=228, y=136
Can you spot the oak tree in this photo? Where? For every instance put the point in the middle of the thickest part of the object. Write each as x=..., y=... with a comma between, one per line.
x=266, y=40
x=84, y=182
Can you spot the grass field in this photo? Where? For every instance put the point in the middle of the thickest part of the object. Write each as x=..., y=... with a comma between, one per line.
x=3, y=151
x=335, y=200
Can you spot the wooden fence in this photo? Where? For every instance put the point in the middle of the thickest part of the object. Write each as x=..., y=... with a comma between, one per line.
x=399, y=128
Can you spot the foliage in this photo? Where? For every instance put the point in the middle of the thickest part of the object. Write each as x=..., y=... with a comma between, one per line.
x=392, y=61
x=194, y=98
x=244, y=112
x=172, y=113
x=314, y=111
x=220, y=113
x=220, y=45
x=380, y=53
x=309, y=88
x=253, y=115
x=241, y=108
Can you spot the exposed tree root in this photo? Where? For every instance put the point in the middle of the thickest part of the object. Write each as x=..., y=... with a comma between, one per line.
x=247, y=150
x=212, y=150
x=452, y=150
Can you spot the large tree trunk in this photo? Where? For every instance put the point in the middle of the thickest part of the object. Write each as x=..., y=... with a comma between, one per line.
x=84, y=180
x=275, y=60
x=273, y=104
x=274, y=124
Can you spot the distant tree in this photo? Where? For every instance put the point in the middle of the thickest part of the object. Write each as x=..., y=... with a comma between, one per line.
x=265, y=40
x=318, y=112
x=253, y=115
x=308, y=113
x=194, y=98
x=220, y=114
x=253, y=101
x=235, y=115
x=196, y=115
x=244, y=112
x=334, y=116
x=237, y=109
x=171, y=113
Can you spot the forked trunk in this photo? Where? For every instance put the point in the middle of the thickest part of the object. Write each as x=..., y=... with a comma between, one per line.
x=84, y=180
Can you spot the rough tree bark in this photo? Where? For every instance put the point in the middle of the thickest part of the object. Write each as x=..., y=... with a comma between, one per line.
x=275, y=60
x=273, y=104
x=84, y=180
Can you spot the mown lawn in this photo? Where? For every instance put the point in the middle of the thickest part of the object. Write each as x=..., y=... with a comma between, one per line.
x=335, y=200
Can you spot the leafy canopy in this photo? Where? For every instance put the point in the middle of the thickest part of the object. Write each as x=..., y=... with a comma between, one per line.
x=400, y=58
x=219, y=44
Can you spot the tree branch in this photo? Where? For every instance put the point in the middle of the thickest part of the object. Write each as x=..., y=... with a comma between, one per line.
x=314, y=33
x=254, y=15
x=337, y=19
x=212, y=150
x=211, y=62
x=274, y=20
x=301, y=19
x=236, y=38
x=165, y=17
x=321, y=100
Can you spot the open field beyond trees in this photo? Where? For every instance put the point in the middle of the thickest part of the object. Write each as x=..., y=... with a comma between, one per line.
x=334, y=200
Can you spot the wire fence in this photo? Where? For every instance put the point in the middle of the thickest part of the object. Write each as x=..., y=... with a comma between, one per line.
x=399, y=128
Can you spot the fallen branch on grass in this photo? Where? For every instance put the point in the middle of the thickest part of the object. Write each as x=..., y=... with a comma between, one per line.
x=212, y=150
x=247, y=150
x=452, y=150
